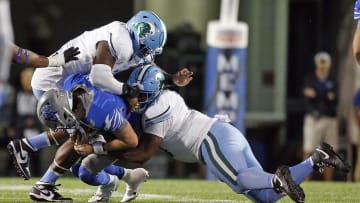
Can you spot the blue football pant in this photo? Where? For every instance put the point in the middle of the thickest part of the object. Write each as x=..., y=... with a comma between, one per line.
x=95, y=169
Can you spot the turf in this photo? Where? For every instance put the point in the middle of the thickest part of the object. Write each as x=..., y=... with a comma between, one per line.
x=16, y=190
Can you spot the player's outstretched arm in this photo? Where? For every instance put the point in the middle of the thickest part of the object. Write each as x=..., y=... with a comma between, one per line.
x=30, y=58
x=147, y=147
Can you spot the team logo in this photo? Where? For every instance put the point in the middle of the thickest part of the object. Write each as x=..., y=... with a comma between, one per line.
x=160, y=77
x=144, y=29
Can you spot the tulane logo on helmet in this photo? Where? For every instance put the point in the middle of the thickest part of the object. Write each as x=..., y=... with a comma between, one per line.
x=161, y=78
x=148, y=35
x=144, y=29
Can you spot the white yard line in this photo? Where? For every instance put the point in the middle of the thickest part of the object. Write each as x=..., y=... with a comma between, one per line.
x=171, y=198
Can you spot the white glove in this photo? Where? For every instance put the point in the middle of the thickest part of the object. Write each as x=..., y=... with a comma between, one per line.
x=59, y=59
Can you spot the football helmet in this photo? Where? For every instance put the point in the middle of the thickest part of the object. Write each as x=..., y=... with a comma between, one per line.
x=148, y=34
x=54, y=110
x=150, y=81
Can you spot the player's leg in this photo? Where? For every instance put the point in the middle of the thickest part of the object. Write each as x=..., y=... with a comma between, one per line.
x=323, y=156
x=298, y=172
x=98, y=170
x=90, y=170
x=45, y=189
x=133, y=179
x=20, y=149
x=228, y=155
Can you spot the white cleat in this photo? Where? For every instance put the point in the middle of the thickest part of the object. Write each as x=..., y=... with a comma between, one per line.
x=104, y=192
x=133, y=178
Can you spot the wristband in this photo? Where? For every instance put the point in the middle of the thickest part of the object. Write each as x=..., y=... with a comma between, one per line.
x=26, y=56
x=56, y=60
x=98, y=148
x=18, y=55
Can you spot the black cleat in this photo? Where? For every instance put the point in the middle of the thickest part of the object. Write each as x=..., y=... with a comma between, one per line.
x=44, y=192
x=325, y=156
x=283, y=183
x=20, y=158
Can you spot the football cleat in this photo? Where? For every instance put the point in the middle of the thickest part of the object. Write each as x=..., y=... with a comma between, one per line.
x=20, y=158
x=45, y=192
x=133, y=178
x=325, y=156
x=104, y=192
x=283, y=183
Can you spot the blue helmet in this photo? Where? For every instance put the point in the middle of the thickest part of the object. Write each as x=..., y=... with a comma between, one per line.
x=150, y=80
x=148, y=34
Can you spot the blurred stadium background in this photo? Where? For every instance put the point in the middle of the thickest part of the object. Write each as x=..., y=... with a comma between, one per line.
x=284, y=35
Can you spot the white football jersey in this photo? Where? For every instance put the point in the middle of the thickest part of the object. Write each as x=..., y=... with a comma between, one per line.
x=120, y=44
x=182, y=129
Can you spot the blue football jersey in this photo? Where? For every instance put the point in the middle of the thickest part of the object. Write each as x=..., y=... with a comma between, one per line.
x=357, y=10
x=104, y=110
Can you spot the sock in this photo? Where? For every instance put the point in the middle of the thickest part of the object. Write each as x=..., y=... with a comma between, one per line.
x=50, y=176
x=254, y=178
x=38, y=142
x=102, y=178
x=115, y=170
x=302, y=170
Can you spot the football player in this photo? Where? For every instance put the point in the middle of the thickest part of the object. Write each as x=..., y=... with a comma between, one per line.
x=190, y=136
x=104, y=51
x=84, y=112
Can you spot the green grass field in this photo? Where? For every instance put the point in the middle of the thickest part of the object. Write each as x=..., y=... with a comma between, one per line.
x=16, y=190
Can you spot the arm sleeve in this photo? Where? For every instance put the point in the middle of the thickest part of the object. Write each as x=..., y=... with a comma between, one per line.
x=102, y=77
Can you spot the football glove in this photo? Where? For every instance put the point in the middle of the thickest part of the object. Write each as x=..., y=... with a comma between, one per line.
x=60, y=59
